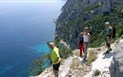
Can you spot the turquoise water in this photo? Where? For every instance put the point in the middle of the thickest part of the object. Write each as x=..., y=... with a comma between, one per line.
x=25, y=28
x=41, y=48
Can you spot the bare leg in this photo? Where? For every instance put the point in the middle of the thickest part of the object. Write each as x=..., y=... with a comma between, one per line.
x=108, y=43
x=85, y=50
x=55, y=73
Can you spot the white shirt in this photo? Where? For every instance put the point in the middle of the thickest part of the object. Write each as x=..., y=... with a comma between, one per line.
x=86, y=39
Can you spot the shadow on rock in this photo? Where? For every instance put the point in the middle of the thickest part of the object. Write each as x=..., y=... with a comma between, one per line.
x=108, y=55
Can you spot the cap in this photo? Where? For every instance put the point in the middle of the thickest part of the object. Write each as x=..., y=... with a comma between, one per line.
x=51, y=43
x=107, y=23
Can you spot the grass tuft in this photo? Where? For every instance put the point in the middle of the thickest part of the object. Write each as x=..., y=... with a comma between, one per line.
x=92, y=57
x=96, y=73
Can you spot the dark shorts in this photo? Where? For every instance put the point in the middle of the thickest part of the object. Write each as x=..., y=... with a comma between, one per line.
x=108, y=39
x=56, y=66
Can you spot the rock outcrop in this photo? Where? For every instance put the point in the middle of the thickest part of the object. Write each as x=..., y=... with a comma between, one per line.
x=69, y=67
x=73, y=66
x=117, y=63
x=75, y=13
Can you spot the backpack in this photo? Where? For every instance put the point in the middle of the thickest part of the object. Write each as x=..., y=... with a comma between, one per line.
x=113, y=32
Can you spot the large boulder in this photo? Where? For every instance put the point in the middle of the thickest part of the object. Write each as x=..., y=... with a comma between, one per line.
x=116, y=68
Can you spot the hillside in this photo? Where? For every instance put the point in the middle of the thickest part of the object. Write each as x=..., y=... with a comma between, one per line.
x=73, y=66
x=76, y=14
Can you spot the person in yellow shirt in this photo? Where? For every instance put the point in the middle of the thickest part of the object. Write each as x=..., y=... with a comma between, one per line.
x=55, y=57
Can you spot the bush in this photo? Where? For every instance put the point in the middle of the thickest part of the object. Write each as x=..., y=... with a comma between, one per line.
x=96, y=73
x=37, y=66
x=92, y=57
x=65, y=52
x=75, y=64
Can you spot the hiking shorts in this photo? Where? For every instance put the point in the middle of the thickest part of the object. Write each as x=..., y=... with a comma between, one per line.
x=56, y=66
x=108, y=39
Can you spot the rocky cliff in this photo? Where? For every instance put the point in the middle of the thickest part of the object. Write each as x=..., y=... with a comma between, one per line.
x=92, y=13
x=116, y=68
x=74, y=66
x=108, y=65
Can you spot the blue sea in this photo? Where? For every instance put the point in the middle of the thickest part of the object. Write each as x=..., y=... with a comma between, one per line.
x=25, y=28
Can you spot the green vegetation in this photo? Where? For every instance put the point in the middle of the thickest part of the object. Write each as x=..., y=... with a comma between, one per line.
x=92, y=7
x=97, y=27
x=38, y=65
x=92, y=57
x=76, y=19
x=65, y=52
x=96, y=73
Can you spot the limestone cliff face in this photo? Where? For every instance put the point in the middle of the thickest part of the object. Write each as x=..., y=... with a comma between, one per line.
x=76, y=12
x=116, y=68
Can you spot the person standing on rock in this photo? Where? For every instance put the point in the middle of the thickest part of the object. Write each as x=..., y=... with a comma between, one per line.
x=86, y=37
x=108, y=32
x=80, y=44
x=55, y=57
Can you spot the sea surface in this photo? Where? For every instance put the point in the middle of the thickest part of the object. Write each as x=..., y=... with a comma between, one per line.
x=25, y=28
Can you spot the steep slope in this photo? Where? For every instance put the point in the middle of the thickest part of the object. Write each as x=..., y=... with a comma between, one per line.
x=117, y=62
x=73, y=66
x=92, y=13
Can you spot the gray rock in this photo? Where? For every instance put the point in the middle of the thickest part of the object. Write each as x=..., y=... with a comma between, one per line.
x=116, y=68
x=112, y=69
x=122, y=37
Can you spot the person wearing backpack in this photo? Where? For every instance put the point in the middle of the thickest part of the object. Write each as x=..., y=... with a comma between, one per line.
x=80, y=44
x=109, y=34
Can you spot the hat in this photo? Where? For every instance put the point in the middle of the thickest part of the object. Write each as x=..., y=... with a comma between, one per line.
x=107, y=23
x=51, y=43
x=86, y=28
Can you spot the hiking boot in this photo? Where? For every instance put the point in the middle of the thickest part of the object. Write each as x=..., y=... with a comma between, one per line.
x=82, y=56
x=110, y=49
x=84, y=60
x=107, y=52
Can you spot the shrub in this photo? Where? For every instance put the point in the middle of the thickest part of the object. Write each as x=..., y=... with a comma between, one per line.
x=92, y=57
x=39, y=65
x=65, y=52
x=75, y=64
x=96, y=73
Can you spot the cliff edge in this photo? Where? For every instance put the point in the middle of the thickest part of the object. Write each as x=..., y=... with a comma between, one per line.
x=73, y=66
